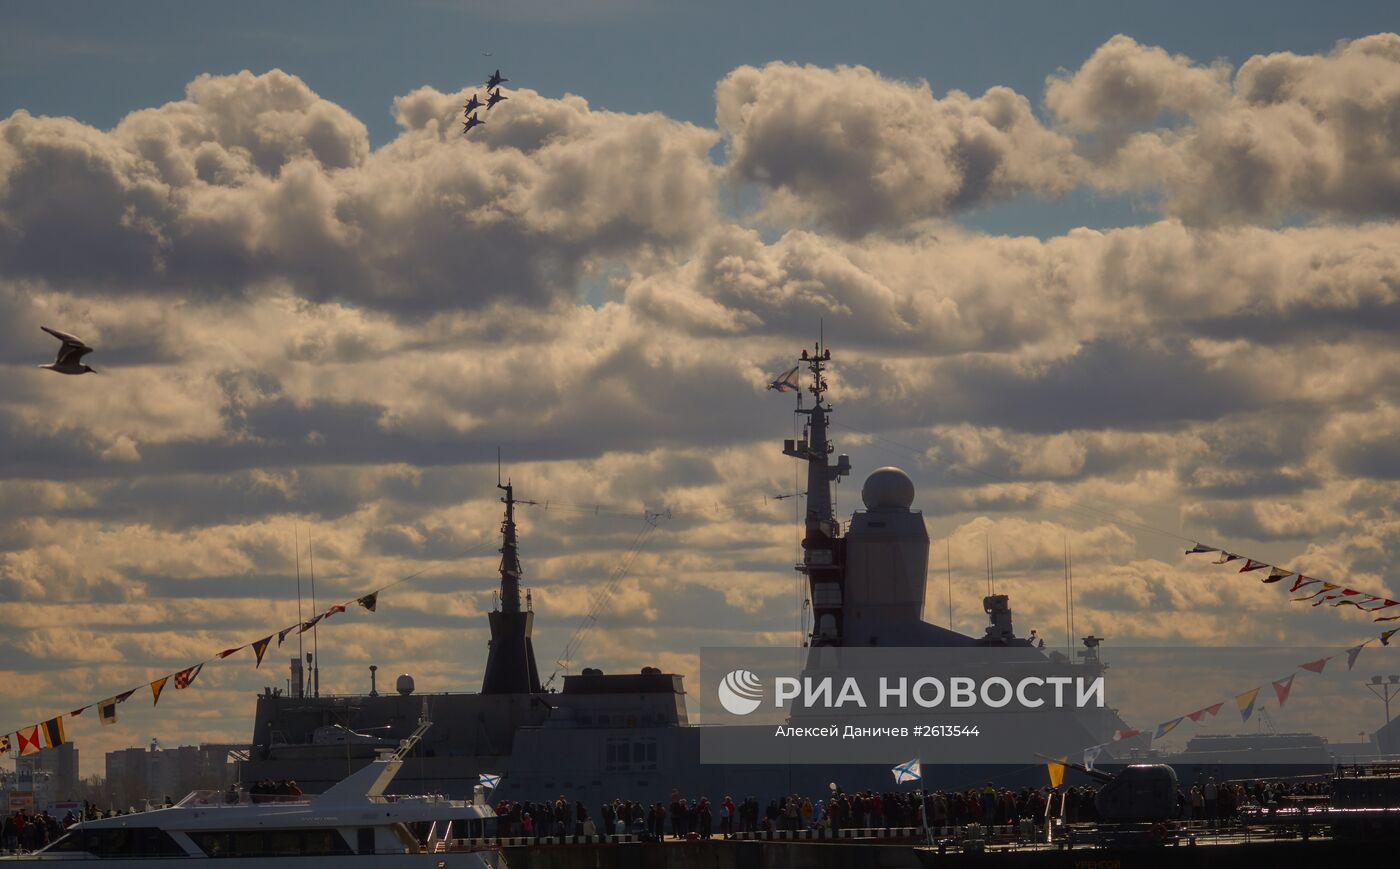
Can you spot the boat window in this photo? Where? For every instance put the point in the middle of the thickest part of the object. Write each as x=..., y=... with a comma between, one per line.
x=67, y=842
x=283, y=843
x=366, y=840
x=245, y=843
x=120, y=842
x=270, y=843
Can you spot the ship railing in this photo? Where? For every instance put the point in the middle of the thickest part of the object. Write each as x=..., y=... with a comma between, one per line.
x=974, y=836
x=213, y=799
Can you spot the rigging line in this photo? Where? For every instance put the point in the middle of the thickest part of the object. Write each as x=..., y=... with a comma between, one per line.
x=1068, y=503
x=410, y=577
x=601, y=598
x=598, y=509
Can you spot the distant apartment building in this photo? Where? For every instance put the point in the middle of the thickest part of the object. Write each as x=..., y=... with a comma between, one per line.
x=53, y=772
x=138, y=775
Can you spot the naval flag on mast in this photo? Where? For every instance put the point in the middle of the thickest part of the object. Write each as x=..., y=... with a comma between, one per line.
x=787, y=381
x=910, y=771
x=489, y=781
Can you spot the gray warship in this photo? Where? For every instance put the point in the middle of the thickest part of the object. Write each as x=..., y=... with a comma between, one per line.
x=631, y=735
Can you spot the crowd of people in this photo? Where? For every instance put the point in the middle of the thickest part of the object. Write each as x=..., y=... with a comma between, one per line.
x=30, y=831
x=702, y=818
x=1221, y=803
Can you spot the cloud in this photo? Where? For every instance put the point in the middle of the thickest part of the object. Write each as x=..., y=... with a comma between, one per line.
x=297, y=331
x=1290, y=134
x=253, y=179
x=853, y=152
x=1124, y=84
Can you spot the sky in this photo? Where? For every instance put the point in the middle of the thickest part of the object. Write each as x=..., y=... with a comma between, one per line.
x=1097, y=278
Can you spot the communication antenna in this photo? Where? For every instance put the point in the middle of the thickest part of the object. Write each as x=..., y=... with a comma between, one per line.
x=948, y=550
x=315, y=646
x=1069, y=569
x=296, y=546
x=1069, y=631
x=991, y=575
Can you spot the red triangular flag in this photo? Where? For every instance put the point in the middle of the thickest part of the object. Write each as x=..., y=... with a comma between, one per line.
x=1202, y=713
x=1282, y=687
x=29, y=741
x=1302, y=581
x=1316, y=666
x=1331, y=597
x=187, y=676
x=226, y=652
x=1250, y=564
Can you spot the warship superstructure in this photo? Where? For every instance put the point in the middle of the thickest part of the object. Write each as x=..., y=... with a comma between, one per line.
x=630, y=735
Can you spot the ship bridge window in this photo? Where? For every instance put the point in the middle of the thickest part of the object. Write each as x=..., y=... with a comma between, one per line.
x=120, y=842
x=270, y=843
x=625, y=753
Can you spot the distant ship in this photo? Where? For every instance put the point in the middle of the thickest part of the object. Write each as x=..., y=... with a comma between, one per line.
x=630, y=735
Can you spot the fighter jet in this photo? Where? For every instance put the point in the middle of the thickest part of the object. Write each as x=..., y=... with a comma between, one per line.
x=495, y=80
x=472, y=105
x=73, y=349
x=472, y=121
x=493, y=98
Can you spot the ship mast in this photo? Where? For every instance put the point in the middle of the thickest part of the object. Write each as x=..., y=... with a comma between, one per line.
x=510, y=555
x=510, y=662
x=822, y=546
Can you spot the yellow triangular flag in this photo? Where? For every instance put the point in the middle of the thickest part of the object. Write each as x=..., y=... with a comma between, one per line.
x=1057, y=771
x=156, y=687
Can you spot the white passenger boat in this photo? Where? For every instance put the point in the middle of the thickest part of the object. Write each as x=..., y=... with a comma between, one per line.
x=352, y=824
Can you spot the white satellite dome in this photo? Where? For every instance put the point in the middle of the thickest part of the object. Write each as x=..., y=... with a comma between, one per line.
x=888, y=489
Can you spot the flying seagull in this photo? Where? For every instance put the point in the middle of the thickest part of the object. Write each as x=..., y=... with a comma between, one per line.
x=493, y=98
x=495, y=80
x=472, y=105
x=73, y=350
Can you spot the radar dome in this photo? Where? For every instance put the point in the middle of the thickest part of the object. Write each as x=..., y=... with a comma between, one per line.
x=888, y=489
x=404, y=684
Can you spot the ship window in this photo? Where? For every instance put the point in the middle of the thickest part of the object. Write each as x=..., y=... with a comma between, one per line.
x=366, y=840
x=245, y=844
x=625, y=753
x=282, y=843
x=121, y=842
x=258, y=843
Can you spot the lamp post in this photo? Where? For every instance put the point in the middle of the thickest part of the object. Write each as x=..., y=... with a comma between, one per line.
x=1385, y=689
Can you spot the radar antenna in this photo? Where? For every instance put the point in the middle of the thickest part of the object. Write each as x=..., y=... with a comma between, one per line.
x=820, y=561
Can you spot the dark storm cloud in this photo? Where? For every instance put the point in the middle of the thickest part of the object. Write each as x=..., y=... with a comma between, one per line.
x=1106, y=384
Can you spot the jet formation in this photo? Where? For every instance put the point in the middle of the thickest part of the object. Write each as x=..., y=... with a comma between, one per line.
x=493, y=96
